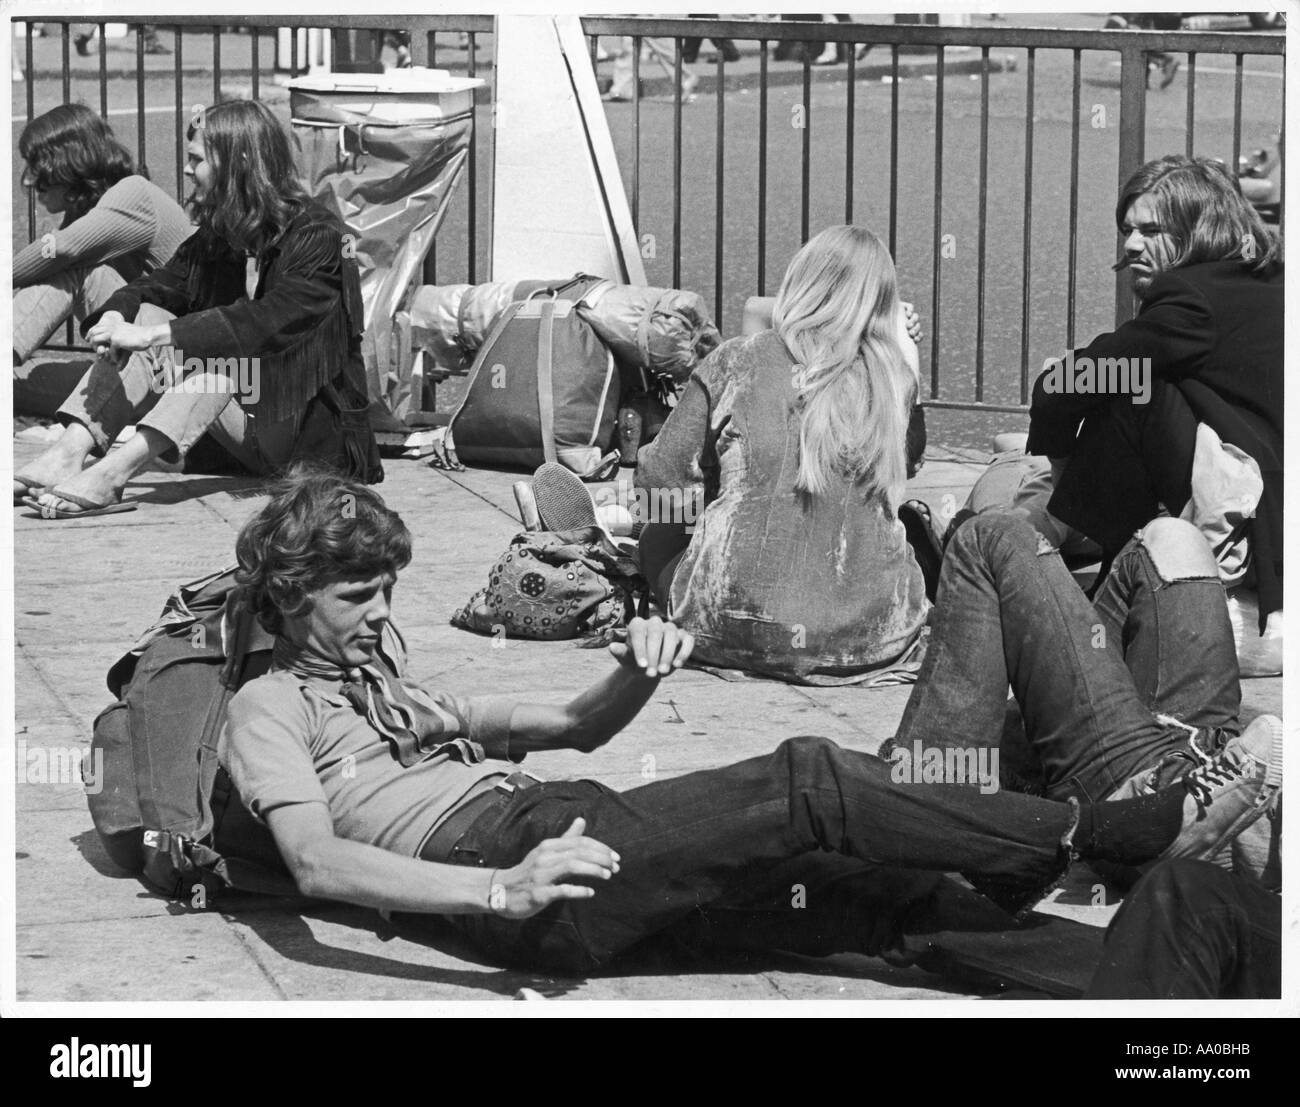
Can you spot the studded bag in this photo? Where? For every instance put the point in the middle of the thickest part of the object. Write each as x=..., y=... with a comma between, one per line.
x=553, y=585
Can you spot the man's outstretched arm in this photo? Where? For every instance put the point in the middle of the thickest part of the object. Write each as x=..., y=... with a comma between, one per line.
x=328, y=867
x=653, y=650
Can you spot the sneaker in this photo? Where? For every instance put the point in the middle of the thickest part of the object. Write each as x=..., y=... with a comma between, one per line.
x=1229, y=791
x=1168, y=70
x=563, y=502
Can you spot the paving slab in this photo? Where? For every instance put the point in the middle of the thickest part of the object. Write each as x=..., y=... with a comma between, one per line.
x=85, y=589
x=175, y=956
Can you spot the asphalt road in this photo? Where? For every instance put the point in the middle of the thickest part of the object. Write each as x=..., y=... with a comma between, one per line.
x=957, y=352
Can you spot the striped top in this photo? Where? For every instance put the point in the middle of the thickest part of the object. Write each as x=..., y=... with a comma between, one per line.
x=135, y=228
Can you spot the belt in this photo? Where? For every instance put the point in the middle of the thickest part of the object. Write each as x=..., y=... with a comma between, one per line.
x=440, y=844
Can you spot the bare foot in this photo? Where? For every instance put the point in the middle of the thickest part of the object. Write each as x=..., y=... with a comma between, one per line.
x=103, y=482
x=54, y=466
x=99, y=484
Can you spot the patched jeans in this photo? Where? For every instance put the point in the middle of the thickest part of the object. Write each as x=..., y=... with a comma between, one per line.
x=1089, y=678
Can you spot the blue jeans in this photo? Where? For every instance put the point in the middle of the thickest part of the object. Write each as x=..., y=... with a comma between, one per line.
x=811, y=836
x=149, y=390
x=1089, y=677
x=1189, y=930
x=39, y=310
x=818, y=844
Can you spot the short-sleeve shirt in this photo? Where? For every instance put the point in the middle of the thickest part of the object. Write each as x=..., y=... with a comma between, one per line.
x=290, y=738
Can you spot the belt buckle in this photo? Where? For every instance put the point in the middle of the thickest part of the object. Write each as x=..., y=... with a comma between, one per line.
x=514, y=782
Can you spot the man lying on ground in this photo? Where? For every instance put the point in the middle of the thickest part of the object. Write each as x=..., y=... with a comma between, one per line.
x=381, y=793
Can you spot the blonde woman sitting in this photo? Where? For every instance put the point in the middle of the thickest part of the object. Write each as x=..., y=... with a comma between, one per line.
x=785, y=462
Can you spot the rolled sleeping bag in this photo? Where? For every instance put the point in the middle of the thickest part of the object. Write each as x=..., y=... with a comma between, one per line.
x=435, y=326
x=452, y=321
x=664, y=332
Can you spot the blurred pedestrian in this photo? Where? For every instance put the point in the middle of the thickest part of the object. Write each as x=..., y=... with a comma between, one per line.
x=622, y=88
x=725, y=47
x=1157, y=60
x=152, y=43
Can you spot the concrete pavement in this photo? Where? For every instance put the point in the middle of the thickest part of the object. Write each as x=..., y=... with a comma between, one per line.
x=85, y=931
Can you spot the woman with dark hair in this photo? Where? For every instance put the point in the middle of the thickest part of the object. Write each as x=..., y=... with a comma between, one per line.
x=116, y=226
x=251, y=332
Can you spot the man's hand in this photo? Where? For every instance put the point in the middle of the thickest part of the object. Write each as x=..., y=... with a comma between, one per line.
x=113, y=335
x=654, y=647
x=538, y=880
x=912, y=322
x=444, y=451
x=325, y=866
x=651, y=649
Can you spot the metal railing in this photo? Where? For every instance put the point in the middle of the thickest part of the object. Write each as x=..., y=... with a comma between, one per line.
x=734, y=260
x=1130, y=48
x=356, y=38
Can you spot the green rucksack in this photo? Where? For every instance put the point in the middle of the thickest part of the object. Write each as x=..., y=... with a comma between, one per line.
x=166, y=809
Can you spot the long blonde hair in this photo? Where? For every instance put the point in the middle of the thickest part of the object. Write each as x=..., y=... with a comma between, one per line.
x=838, y=314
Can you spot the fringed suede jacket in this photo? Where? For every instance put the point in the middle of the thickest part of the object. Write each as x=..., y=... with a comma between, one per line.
x=303, y=322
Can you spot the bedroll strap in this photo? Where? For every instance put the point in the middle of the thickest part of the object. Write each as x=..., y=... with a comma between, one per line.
x=545, y=391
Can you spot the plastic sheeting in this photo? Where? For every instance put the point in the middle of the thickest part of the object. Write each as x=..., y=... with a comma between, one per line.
x=387, y=159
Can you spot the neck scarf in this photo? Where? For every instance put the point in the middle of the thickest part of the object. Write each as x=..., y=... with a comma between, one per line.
x=412, y=722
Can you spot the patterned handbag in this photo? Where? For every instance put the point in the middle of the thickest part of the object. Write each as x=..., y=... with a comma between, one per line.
x=553, y=585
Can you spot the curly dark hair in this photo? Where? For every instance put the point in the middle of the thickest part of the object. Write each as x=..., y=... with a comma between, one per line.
x=316, y=529
x=72, y=147
x=255, y=191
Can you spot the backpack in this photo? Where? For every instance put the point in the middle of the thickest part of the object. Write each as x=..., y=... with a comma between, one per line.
x=544, y=386
x=167, y=810
x=556, y=584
